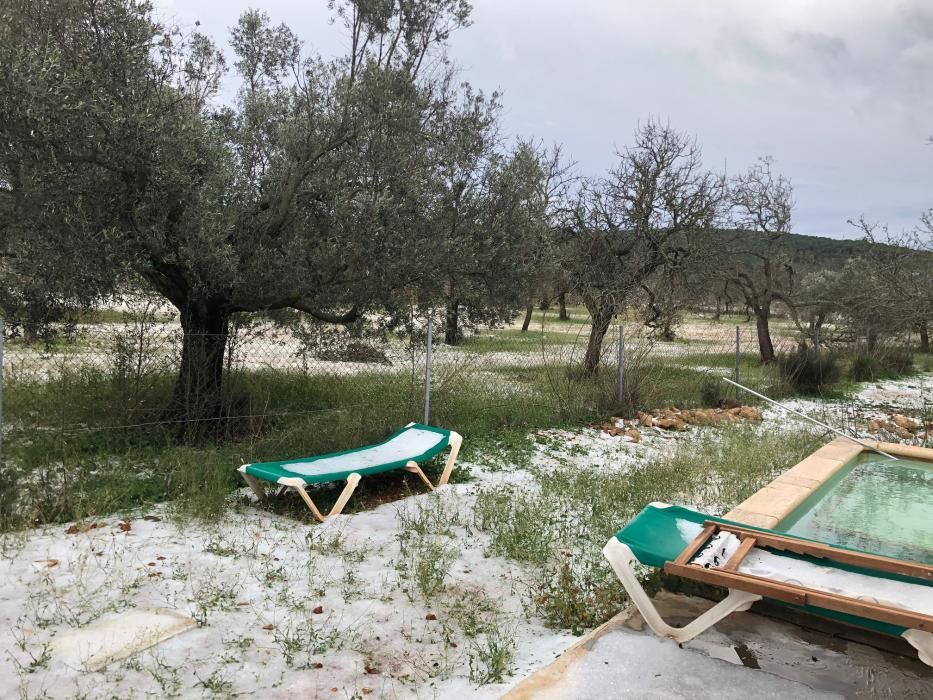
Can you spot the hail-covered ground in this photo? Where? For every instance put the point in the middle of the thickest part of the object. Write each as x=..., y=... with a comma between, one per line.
x=400, y=601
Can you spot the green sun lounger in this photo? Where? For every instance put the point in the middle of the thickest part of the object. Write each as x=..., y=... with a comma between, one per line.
x=887, y=595
x=404, y=449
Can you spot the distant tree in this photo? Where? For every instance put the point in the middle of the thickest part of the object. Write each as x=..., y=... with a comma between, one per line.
x=117, y=162
x=888, y=289
x=481, y=216
x=760, y=269
x=546, y=278
x=644, y=216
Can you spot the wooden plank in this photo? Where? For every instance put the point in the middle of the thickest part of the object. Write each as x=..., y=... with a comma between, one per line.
x=750, y=584
x=825, y=551
x=739, y=555
x=800, y=595
x=685, y=556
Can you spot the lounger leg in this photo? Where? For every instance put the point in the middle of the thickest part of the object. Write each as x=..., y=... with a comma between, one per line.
x=455, y=440
x=923, y=643
x=621, y=558
x=348, y=490
x=299, y=485
x=256, y=486
x=300, y=488
x=415, y=469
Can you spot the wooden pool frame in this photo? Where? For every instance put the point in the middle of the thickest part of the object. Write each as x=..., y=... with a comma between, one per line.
x=767, y=507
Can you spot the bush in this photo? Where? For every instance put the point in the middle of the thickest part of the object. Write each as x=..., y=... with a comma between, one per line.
x=711, y=392
x=810, y=371
x=887, y=364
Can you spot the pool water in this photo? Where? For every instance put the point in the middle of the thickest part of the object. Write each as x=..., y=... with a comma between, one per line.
x=875, y=505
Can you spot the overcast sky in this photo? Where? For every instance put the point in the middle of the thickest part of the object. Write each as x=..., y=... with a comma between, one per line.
x=838, y=91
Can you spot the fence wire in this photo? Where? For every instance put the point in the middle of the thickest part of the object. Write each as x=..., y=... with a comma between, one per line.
x=134, y=375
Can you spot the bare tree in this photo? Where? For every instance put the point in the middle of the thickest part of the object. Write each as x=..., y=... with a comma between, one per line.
x=643, y=216
x=760, y=268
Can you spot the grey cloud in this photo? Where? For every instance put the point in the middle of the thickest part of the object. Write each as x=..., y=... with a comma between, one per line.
x=838, y=91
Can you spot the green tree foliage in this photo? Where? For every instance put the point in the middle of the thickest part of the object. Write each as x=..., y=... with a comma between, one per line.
x=885, y=291
x=118, y=163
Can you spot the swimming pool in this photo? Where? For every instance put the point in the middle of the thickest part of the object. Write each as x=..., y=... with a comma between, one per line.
x=872, y=504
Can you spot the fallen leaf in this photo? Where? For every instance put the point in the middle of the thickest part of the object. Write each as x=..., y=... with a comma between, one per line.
x=241, y=603
x=152, y=518
x=49, y=563
x=268, y=626
x=82, y=527
x=367, y=691
x=430, y=616
x=155, y=574
x=125, y=526
x=371, y=670
x=318, y=610
x=317, y=664
x=152, y=563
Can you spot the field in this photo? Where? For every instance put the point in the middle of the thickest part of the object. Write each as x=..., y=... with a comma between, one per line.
x=105, y=510
x=465, y=590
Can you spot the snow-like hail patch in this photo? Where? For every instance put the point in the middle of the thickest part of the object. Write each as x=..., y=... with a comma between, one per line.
x=289, y=609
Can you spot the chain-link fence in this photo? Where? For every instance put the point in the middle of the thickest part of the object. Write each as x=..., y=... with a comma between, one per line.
x=133, y=377
x=123, y=409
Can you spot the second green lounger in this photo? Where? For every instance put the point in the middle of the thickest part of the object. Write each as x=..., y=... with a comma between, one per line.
x=406, y=449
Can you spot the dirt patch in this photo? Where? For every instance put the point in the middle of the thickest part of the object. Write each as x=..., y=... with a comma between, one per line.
x=673, y=418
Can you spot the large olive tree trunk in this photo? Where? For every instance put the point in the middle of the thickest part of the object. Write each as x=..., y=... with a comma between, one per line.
x=529, y=309
x=452, y=334
x=197, y=403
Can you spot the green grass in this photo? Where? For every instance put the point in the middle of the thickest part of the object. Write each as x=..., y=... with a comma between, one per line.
x=90, y=442
x=559, y=526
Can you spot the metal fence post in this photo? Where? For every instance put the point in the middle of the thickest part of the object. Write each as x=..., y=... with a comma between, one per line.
x=621, y=381
x=427, y=374
x=1, y=391
x=738, y=350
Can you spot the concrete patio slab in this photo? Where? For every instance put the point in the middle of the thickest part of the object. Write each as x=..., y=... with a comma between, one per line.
x=747, y=655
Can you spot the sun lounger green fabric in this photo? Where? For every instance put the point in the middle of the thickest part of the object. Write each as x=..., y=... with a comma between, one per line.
x=406, y=448
x=661, y=533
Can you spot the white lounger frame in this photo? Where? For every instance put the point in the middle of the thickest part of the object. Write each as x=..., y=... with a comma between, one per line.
x=621, y=558
x=454, y=441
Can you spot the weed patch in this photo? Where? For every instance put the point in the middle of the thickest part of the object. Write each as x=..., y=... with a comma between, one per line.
x=559, y=524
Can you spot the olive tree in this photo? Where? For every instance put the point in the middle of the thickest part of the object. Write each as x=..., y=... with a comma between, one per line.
x=885, y=291
x=119, y=163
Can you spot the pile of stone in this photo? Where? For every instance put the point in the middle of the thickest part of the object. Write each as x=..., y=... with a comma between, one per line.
x=902, y=426
x=673, y=418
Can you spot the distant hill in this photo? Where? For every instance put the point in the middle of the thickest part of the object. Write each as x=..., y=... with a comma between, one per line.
x=807, y=251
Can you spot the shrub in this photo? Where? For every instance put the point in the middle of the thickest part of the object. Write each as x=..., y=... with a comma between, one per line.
x=810, y=371
x=711, y=392
x=888, y=364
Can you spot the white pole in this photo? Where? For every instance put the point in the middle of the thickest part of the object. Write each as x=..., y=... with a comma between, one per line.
x=812, y=420
x=621, y=385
